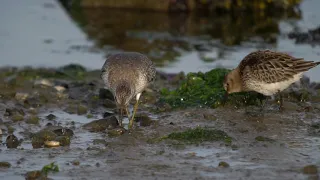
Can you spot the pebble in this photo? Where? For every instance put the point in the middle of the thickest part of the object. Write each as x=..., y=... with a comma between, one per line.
x=60, y=88
x=44, y=82
x=21, y=96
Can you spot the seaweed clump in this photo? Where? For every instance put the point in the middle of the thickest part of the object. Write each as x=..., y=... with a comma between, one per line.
x=206, y=89
x=197, y=135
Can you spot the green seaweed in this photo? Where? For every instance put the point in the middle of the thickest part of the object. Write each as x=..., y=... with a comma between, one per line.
x=197, y=135
x=52, y=167
x=206, y=89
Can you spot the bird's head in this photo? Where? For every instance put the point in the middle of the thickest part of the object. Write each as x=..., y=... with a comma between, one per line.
x=123, y=94
x=232, y=82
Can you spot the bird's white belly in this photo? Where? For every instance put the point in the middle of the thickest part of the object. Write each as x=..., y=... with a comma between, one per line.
x=269, y=89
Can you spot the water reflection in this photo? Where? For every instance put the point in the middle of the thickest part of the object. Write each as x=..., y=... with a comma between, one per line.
x=164, y=37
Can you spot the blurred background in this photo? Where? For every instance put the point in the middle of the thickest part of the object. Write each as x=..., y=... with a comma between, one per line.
x=178, y=35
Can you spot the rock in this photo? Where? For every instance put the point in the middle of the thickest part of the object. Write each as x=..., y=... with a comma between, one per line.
x=81, y=110
x=102, y=124
x=34, y=175
x=33, y=120
x=223, y=164
x=105, y=94
x=76, y=163
x=116, y=132
x=0, y=132
x=107, y=114
x=51, y=117
x=20, y=96
x=144, y=120
x=43, y=82
x=14, y=111
x=60, y=88
x=310, y=169
x=12, y=141
x=109, y=104
x=40, y=137
x=52, y=143
x=5, y=164
x=17, y=117
x=63, y=140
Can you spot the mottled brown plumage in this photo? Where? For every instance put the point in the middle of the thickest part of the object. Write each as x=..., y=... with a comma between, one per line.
x=126, y=75
x=266, y=72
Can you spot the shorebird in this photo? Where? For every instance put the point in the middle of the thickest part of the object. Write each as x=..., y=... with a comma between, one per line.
x=126, y=75
x=266, y=72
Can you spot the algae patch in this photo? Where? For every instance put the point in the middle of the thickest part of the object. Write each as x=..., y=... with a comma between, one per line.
x=206, y=89
x=197, y=135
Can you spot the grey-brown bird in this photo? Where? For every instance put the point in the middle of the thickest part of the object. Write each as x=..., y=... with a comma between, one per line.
x=126, y=75
x=266, y=72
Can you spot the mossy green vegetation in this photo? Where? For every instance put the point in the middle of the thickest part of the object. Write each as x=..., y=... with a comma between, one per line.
x=197, y=135
x=52, y=167
x=206, y=89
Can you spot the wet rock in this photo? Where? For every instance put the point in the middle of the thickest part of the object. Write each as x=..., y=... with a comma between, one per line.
x=109, y=104
x=17, y=117
x=5, y=164
x=51, y=117
x=223, y=164
x=105, y=94
x=35, y=175
x=76, y=163
x=116, y=131
x=14, y=111
x=33, y=120
x=311, y=37
x=40, y=137
x=144, y=120
x=1, y=132
x=263, y=139
x=63, y=132
x=310, y=169
x=43, y=83
x=51, y=143
x=12, y=141
x=20, y=96
x=102, y=124
x=107, y=114
x=60, y=88
x=81, y=110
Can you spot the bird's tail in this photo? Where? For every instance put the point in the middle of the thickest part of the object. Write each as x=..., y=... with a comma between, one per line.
x=302, y=65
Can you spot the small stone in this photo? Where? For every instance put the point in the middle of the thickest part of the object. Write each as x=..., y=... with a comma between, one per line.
x=51, y=117
x=5, y=164
x=310, y=169
x=32, y=175
x=116, y=132
x=223, y=164
x=43, y=82
x=144, y=120
x=21, y=96
x=81, y=110
x=12, y=141
x=107, y=114
x=52, y=143
x=60, y=88
x=0, y=132
x=33, y=120
x=102, y=124
x=76, y=163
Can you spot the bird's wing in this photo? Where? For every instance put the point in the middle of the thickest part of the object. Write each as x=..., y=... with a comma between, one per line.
x=272, y=67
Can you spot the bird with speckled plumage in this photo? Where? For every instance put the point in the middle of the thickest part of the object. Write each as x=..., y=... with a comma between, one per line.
x=127, y=75
x=266, y=72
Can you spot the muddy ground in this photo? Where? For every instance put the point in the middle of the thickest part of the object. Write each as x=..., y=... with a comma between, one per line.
x=264, y=144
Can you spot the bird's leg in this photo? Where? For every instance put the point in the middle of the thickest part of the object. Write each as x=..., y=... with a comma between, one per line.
x=281, y=102
x=127, y=111
x=134, y=111
x=121, y=116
